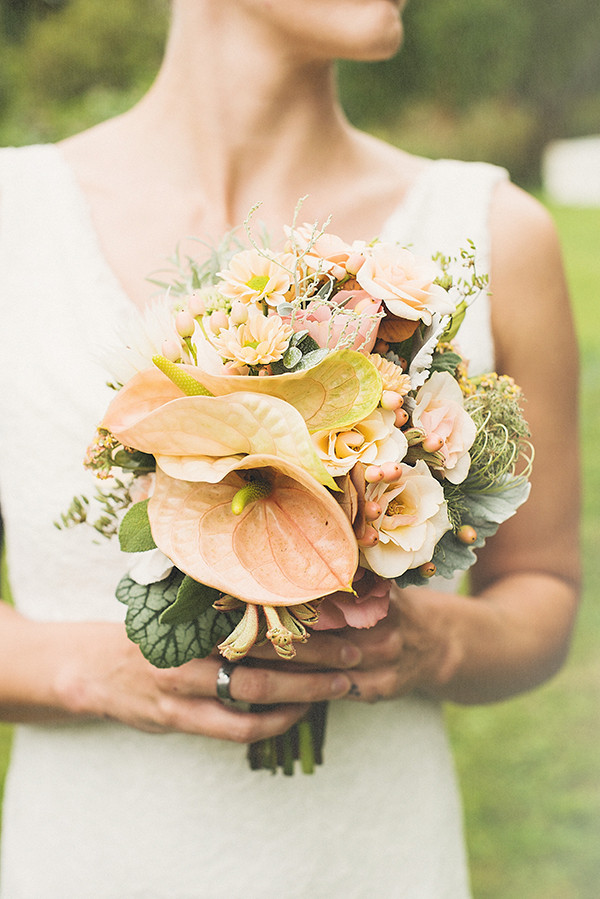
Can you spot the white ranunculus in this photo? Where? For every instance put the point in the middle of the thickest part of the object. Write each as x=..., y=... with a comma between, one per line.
x=374, y=440
x=414, y=517
x=439, y=410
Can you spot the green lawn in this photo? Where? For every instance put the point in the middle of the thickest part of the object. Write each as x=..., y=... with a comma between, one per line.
x=530, y=768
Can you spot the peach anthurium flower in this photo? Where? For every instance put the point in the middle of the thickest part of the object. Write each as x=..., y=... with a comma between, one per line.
x=404, y=283
x=374, y=440
x=336, y=393
x=254, y=277
x=290, y=545
x=414, y=517
x=339, y=391
x=260, y=340
x=190, y=435
x=440, y=412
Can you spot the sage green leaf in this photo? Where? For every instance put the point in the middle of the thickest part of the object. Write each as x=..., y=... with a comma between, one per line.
x=170, y=645
x=193, y=599
x=135, y=535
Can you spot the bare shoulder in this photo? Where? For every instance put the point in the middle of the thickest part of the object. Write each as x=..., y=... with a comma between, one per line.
x=528, y=286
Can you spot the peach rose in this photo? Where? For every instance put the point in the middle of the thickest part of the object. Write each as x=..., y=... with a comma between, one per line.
x=414, y=517
x=374, y=440
x=404, y=282
x=440, y=412
x=325, y=255
x=354, y=326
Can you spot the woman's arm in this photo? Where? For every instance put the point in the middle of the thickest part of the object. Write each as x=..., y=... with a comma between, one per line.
x=52, y=672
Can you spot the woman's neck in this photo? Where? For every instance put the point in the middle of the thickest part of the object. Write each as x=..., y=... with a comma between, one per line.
x=247, y=118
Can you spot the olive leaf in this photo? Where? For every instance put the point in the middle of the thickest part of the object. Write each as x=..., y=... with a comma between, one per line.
x=170, y=645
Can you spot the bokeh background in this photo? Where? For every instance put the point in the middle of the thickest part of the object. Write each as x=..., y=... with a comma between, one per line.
x=498, y=80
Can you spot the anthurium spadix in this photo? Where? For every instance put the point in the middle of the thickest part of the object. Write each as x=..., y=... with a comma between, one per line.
x=290, y=543
x=192, y=437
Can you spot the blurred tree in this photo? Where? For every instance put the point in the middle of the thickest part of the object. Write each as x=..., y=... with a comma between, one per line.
x=16, y=15
x=493, y=79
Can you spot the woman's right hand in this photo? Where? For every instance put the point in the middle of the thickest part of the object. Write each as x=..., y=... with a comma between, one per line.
x=92, y=670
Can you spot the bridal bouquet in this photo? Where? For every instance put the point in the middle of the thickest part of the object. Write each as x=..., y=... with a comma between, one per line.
x=297, y=429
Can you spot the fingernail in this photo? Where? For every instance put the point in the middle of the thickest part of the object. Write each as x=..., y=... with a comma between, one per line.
x=350, y=655
x=339, y=685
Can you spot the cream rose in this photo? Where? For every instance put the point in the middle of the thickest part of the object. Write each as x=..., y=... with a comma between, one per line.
x=374, y=440
x=404, y=283
x=440, y=412
x=414, y=517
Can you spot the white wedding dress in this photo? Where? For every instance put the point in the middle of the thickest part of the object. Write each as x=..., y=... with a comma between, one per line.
x=101, y=811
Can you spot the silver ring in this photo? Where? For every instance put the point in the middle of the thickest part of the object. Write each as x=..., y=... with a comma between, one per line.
x=224, y=682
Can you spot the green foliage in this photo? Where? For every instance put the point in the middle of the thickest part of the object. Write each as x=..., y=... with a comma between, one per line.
x=135, y=535
x=168, y=644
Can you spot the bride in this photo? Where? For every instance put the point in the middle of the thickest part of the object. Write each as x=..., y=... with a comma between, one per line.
x=130, y=781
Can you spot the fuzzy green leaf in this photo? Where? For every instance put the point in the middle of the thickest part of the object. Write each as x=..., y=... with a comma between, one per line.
x=164, y=645
x=445, y=362
x=193, y=599
x=135, y=535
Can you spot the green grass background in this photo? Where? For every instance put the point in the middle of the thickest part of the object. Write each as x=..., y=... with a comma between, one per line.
x=530, y=768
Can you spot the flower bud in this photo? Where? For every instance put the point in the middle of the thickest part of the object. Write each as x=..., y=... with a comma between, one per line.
x=196, y=305
x=218, y=320
x=354, y=262
x=373, y=474
x=185, y=324
x=239, y=313
x=390, y=399
x=171, y=349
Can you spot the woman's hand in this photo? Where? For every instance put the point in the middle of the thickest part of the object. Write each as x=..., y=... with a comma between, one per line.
x=65, y=671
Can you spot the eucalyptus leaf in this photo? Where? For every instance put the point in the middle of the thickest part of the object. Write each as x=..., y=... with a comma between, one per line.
x=291, y=357
x=135, y=535
x=170, y=645
x=193, y=599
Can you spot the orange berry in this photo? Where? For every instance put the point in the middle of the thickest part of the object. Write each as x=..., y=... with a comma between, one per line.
x=466, y=534
x=372, y=510
x=391, y=471
x=432, y=443
x=370, y=537
x=427, y=570
x=401, y=417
